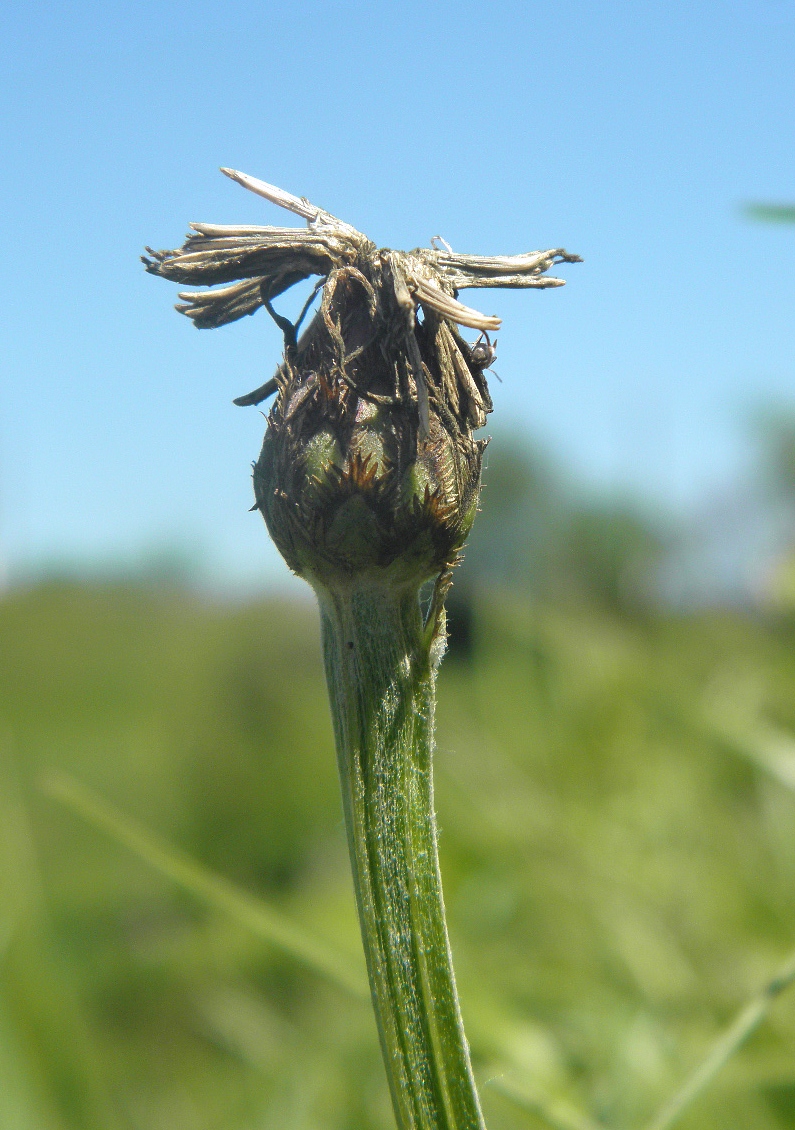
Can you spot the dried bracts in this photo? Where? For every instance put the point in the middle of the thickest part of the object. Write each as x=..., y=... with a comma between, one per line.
x=370, y=460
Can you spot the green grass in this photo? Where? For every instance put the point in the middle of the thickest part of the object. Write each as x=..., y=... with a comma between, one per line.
x=617, y=842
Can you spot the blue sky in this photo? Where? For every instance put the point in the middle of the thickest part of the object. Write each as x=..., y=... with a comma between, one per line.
x=629, y=133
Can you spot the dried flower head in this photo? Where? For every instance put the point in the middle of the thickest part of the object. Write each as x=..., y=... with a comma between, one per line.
x=369, y=461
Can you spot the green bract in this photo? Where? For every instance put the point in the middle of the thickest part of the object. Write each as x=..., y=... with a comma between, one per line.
x=352, y=475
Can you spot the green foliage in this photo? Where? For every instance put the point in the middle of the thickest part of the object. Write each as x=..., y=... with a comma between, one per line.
x=541, y=535
x=775, y=432
x=771, y=213
x=617, y=845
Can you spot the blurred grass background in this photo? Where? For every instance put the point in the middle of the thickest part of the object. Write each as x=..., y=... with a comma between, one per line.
x=615, y=789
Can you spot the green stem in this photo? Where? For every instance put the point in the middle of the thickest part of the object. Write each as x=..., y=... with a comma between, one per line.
x=381, y=685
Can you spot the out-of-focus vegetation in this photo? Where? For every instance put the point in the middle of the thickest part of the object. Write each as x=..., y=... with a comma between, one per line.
x=772, y=213
x=540, y=535
x=616, y=795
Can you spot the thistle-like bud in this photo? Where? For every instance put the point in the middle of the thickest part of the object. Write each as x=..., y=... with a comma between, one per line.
x=369, y=460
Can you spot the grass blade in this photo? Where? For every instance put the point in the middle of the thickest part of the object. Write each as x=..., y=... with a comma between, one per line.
x=771, y=750
x=51, y=1073
x=745, y=1023
x=250, y=912
x=771, y=213
x=264, y=921
x=557, y=1113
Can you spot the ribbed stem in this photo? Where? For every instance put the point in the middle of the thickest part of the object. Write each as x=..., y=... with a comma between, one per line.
x=381, y=686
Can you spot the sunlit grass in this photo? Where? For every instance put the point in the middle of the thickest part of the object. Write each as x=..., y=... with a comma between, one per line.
x=619, y=868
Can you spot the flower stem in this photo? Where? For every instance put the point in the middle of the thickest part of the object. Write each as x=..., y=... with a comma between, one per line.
x=380, y=673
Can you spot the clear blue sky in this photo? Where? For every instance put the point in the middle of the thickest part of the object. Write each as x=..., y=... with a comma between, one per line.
x=629, y=133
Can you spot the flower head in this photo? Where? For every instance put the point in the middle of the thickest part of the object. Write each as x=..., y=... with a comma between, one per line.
x=370, y=461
